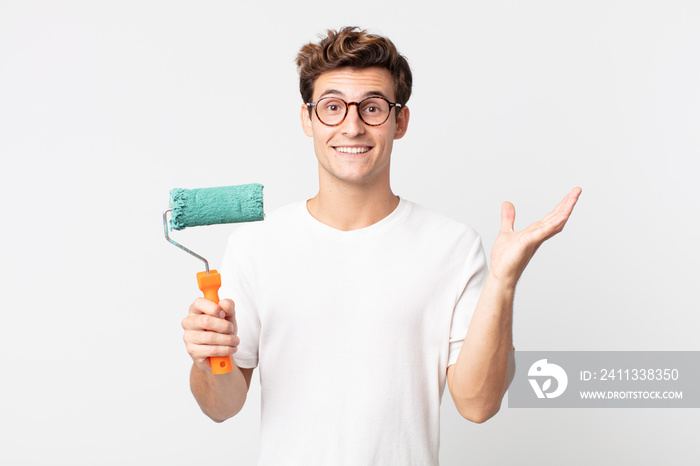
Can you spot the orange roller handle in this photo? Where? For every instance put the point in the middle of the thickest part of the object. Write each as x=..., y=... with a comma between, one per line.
x=210, y=283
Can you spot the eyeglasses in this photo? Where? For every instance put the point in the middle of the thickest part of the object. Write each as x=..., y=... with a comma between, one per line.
x=373, y=111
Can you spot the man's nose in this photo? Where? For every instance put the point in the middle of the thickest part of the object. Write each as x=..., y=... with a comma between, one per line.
x=353, y=124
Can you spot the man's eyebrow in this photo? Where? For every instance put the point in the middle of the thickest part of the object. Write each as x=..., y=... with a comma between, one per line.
x=331, y=91
x=364, y=96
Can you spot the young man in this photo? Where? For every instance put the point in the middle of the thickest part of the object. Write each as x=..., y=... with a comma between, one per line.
x=358, y=306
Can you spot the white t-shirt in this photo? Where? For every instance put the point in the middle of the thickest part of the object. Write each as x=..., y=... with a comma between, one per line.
x=352, y=331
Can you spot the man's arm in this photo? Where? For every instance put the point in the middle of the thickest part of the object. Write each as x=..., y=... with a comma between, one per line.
x=221, y=396
x=211, y=330
x=485, y=365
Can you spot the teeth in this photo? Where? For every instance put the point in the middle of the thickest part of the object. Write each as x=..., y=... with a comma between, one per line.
x=352, y=150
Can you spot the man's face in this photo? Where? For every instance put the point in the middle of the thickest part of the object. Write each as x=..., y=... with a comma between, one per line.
x=354, y=152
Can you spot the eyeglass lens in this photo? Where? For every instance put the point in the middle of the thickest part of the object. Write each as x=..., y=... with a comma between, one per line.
x=373, y=110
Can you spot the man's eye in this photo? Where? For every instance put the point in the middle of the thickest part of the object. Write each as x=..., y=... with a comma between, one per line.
x=332, y=107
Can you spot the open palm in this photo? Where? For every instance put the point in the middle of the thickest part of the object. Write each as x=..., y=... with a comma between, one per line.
x=513, y=250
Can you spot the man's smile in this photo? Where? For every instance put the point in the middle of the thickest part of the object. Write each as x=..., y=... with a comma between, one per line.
x=352, y=149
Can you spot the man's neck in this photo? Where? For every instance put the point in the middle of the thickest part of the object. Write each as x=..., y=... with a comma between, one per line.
x=348, y=208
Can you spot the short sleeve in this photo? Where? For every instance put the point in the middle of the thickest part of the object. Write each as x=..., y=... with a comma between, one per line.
x=236, y=286
x=473, y=277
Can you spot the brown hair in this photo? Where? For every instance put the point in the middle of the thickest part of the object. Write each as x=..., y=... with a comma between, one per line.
x=352, y=47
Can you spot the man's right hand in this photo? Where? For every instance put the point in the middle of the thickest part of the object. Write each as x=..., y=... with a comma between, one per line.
x=210, y=330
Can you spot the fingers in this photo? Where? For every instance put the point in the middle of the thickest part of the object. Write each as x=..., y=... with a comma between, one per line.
x=204, y=306
x=229, y=308
x=563, y=210
x=213, y=339
x=200, y=354
x=206, y=315
x=572, y=199
x=210, y=330
x=507, y=217
x=564, y=205
x=554, y=222
x=567, y=204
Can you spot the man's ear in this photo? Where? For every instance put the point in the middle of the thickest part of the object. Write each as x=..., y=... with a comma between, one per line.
x=402, y=123
x=306, y=121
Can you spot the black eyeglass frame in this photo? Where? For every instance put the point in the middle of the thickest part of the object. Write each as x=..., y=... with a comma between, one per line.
x=314, y=105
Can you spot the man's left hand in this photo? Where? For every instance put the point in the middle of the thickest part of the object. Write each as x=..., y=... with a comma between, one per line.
x=513, y=250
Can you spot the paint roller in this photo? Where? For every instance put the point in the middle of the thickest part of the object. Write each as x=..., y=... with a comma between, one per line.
x=211, y=206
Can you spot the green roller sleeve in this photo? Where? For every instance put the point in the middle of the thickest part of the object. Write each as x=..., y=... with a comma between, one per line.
x=211, y=206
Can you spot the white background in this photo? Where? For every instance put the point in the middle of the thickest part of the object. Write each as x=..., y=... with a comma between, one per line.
x=106, y=106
